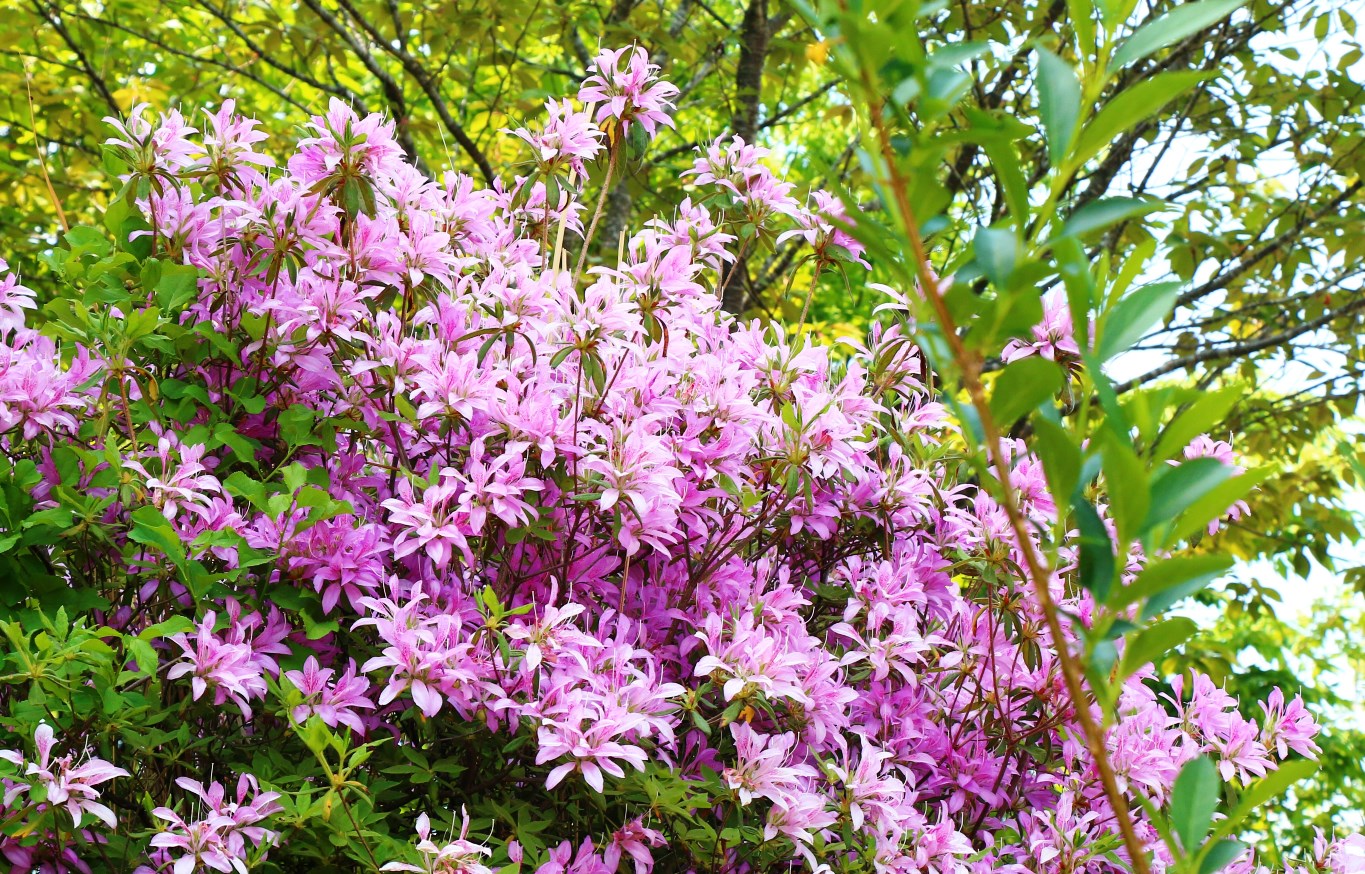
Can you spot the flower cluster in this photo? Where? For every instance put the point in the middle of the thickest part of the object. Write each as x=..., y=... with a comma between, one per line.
x=422, y=494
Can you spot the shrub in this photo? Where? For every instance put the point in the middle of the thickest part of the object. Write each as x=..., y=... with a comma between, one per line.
x=338, y=499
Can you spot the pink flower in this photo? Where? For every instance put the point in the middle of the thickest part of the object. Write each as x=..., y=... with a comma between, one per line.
x=822, y=229
x=567, y=139
x=1054, y=337
x=14, y=299
x=868, y=792
x=459, y=856
x=435, y=524
x=632, y=94
x=219, y=840
x=345, y=145
x=586, y=735
x=64, y=782
x=334, y=703
x=1288, y=726
x=37, y=394
x=634, y=840
x=1347, y=855
x=181, y=481
x=161, y=150
x=229, y=145
x=230, y=669
x=763, y=767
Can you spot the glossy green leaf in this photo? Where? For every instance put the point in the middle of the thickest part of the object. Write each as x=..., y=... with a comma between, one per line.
x=1175, y=489
x=1183, y=21
x=1219, y=855
x=1269, y=787
x=1097, y=564
x=997, y=252
x=1133, y=316
x=1132, y=106
x=1059, y=98
x=1163, y=583
x=1194, y=798
x=1153, y=642
x=1061, y=459
x=1127, y=487
x=1022, y=387
x=1103, y=214
x=1202, y=414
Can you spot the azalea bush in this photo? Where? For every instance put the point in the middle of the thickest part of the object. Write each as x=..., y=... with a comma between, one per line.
x=358, y=520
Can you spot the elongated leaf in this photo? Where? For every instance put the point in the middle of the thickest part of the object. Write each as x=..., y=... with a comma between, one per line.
x=1129, y=491
x=1133, y=105
x=1134, y=316
x=1059, y=102
x=1177, y=488
x=1271, y=786
x=1022, y=386
x=1209, y=408
x=1194, y=798
x=1153, y=642
x=1004, y=159
x=1182, y=21
x=1097, y=562
x=1105, y=213
x=997, y=251
x=1166, y=582
x=150, y=528
x=1061, y=459
x=1215, y=502
x=1219, y=855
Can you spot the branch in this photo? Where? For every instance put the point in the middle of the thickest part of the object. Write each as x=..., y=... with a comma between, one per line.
x=1239, y=349
x=189, y=56
x=413, y=67
x=290, y=71
x=393, y=92
x=1226, y=278
x=50, y=15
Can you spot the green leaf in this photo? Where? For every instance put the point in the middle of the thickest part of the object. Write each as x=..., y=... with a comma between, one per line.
x=1271, y=786
x=83, y=239
x=1103, y=213
x=296, y=426
x=1131, y=106
x=1022, y=387
x=1128, y=488
x=1153, y=642
x=1175, y=489
x=1215, y=502
x=1097, y=562
x=1004, y=158
x=242, y=447
x=1059, y=101
x=1218, y=856
x=1083, y=21
x=1184, y=20
x=177, y=286
x=1194, y=798
x=997, y=251
x=1208, y=408
x=1134, y=316
x=1061, y=459
x=150, y=528
x=1164, y=583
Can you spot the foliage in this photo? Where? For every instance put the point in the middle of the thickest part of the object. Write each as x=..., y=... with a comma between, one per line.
x=335, y=495
x=1247, y=184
